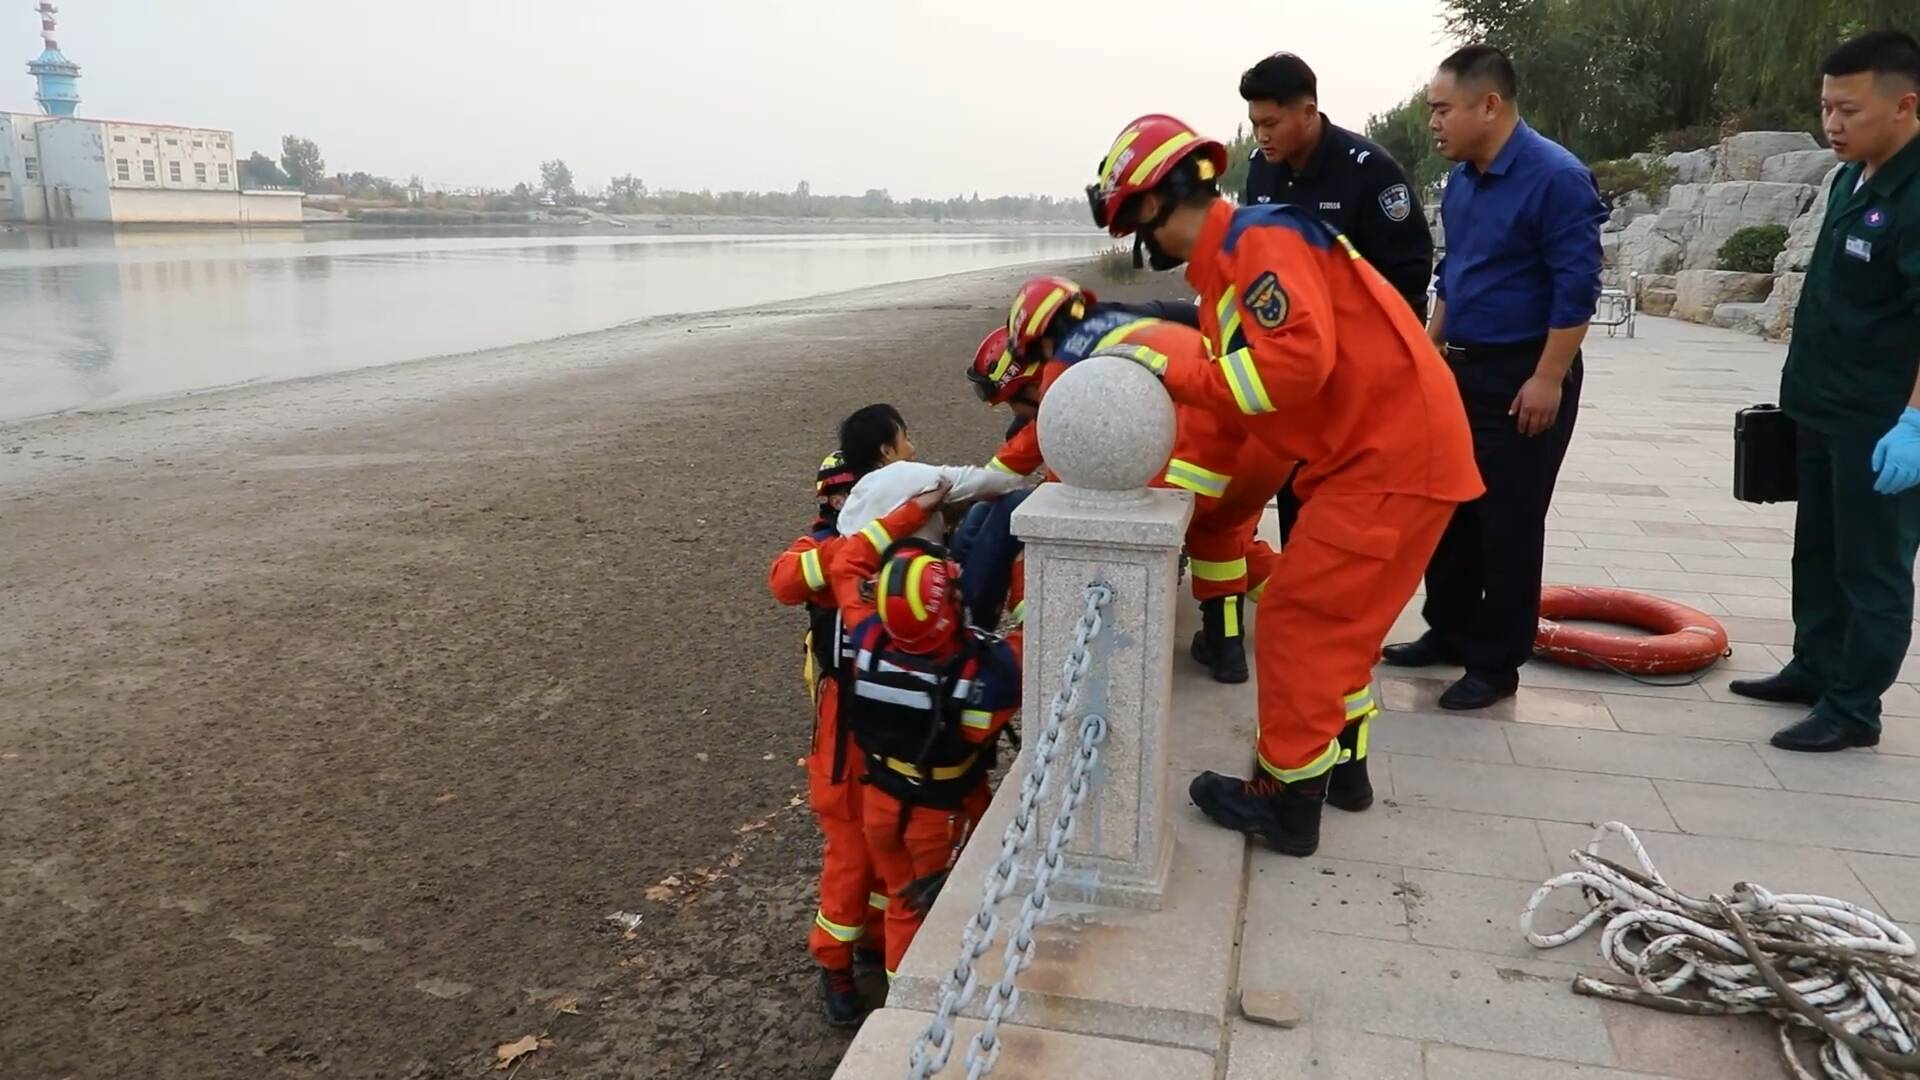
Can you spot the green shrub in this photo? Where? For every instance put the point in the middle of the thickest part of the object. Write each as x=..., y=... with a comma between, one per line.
x=1619, y=179
x=1753, y=249
x=1116, y=264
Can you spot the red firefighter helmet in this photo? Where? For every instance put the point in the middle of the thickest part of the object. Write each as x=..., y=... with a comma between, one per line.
x=995, y=373
x=918, y=597
x=1146, y=153
x=1035, y=306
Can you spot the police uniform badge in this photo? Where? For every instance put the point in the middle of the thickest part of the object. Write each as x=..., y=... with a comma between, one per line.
x=1396, y=202
x=1268, y=301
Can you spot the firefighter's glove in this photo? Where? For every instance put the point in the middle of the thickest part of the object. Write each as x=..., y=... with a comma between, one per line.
x=1896, y=457
x=920, y=893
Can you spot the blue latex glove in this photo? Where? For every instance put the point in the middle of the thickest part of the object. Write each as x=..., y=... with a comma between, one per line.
x=1896, y=457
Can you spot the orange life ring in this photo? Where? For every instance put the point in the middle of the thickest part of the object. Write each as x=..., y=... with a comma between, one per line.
x=1680, y=639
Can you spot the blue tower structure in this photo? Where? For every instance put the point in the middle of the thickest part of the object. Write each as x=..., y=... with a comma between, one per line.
x=56, y=75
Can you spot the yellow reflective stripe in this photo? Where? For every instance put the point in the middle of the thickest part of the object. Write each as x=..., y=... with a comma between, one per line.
x=1020, y=612
x=1155, y=362
x=1364, y=736
x=1360, y=703
x=977, y=719
x=1254, y=594
x=1000, y=366
x=809, y=673
x=1204, y=570
x=1113, y=155
x=1119, y=334
x=1319, y=766
x=877, y=901
x=878, y=536
x=1198, y=480
x=914, y=572
x=810, y=569
x=996, y=463
x=1226, y=314
x=1045, y=311
x=1352, y=252
x=846, y=935
x=945, y=772
x=1231, y=612
x=1248, y=391
x=1160, y=153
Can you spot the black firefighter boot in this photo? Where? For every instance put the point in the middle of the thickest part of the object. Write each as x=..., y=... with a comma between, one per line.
x=1286, y=816
x=1348, y=787
x=1221, y=643
x=845, y=1008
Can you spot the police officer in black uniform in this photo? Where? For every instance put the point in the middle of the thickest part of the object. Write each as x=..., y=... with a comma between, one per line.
x=1300, y=157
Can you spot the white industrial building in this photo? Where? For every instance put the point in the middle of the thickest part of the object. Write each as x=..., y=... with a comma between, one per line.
x=59, y=169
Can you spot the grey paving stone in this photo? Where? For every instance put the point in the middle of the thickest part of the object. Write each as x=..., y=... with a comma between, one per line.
x=1703, y=865
x=1757, y=607
x=1482, y=914
x=1319, y=1052
x=1534, y=704
x=1610, y=487
x=1415, y=991
x=1442, y=735
x=879, y=1052
x=1519, y=791
x=1285, y=895
x=1705, y=719
x=1673, y=545
x=1729, y=533
x=1593, y=526
x=1460, y=1063
x=1751, y=658
x=1562, y=677
x=1696, y=1047
x=1791, y=817
x=1899, y=735
x=1562, y=573
x=1894, y=881
x=1744, y=566
x=1692, y=581
x=1874, y=776
x=1645, y=560
x=1652, y=756
x=1766, y=631
x=1764, y=551
x=1437, y=840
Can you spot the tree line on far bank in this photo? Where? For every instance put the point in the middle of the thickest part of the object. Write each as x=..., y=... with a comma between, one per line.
x=1611, y=78
x=301, y=166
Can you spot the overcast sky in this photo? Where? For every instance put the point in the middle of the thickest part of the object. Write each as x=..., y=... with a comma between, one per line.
x=922, y=98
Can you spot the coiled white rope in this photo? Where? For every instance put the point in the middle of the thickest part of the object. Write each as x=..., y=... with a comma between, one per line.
x=1811, y=962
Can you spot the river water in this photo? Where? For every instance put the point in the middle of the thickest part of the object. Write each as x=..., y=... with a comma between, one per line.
x=99, y=319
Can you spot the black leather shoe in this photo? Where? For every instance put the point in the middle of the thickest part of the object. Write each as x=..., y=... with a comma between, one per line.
x=1429, y=650
x=841, y=995
x=1775, y=688
x=1819, y=735
x=1286, y=816
x=1476, y=692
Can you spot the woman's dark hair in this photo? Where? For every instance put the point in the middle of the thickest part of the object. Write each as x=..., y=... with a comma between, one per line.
x=868, y=432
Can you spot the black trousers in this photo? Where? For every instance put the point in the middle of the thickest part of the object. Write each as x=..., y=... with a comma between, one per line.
x=1483, y=583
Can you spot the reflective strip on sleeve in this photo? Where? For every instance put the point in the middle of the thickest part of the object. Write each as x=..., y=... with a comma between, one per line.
x=1319, y=766
x=810, y=569
x=1185, y=474
x=878, y=536
x=1119, y=334
x=996, y=463
x=877, y=901
x=1204, y=570
x=977, y=719
x=1150, y=359
x=1244, y=380
x=846, y=935
x=1226, y=314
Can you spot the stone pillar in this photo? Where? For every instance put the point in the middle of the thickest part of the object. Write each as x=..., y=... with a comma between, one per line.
x=1107, y=428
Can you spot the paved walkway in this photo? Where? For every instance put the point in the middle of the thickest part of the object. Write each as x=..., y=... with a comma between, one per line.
x=1402, y=936
x=1406, y=926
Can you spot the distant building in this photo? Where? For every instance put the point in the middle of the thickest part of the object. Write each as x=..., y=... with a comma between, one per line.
x=59, y=168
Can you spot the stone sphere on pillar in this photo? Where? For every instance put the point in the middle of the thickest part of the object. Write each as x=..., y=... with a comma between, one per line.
x=1106, y=425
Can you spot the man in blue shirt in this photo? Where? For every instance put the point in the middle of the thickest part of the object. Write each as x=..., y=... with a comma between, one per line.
x=1516, y=291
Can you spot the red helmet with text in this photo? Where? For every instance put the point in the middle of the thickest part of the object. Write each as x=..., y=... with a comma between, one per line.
x=1035, y=307
x=918, y=597
x=1150, y=151
x=997, y=375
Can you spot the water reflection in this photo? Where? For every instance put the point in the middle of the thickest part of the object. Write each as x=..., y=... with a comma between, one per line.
x=98, y=318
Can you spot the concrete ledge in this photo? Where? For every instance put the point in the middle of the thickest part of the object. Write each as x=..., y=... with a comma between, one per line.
x=1029, y=1053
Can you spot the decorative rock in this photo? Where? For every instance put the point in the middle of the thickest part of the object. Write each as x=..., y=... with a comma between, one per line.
x=1743, y=318
x=1805, y=229
x=1694, y=166
x=1106, y=426
x=1644, y=249
x=1781, y=305
x=1742, y=156
x=1712, y=213
x=1798, y=167
x=1699, y=293
x=1281, y=1008
x=1657, y=301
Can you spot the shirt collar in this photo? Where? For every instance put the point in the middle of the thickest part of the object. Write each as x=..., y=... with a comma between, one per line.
x=1206, y=250
x=1503, y=161
x=1317, y=161
x=1899, y=168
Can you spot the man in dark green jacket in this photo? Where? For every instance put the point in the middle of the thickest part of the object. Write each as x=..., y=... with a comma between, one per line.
x=1850, y=384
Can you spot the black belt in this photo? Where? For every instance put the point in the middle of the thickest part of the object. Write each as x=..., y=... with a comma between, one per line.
x=1467, y=350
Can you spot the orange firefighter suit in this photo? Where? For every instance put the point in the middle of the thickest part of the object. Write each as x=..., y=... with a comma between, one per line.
x=1322, y=362
x=852, y=901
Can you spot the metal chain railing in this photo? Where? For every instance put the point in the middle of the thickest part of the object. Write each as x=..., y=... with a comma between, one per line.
x=934, y=1046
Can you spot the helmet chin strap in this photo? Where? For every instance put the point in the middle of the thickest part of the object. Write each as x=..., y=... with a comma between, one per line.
x=1157, y=257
